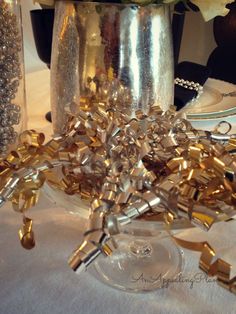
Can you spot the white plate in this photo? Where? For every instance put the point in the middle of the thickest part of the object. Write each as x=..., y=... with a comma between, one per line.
x=212, y=104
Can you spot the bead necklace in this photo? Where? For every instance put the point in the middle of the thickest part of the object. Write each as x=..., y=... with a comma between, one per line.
x=189, y=85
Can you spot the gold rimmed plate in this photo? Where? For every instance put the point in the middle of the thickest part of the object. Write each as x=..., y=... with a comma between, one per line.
x=217, y=101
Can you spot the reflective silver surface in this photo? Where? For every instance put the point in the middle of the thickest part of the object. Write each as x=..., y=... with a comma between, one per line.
x=12, y=77
x=122, y=53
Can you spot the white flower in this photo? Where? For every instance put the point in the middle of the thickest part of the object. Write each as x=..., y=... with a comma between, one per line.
x=45, y=2
x=210, y=8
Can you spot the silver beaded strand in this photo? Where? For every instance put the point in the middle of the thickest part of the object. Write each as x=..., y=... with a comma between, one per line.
x=189, y=85
x=10, y=74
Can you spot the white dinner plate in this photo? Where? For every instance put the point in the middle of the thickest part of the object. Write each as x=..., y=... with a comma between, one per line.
x=212, y=104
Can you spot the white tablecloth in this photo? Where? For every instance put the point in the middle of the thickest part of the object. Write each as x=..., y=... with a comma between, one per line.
x=40, y=281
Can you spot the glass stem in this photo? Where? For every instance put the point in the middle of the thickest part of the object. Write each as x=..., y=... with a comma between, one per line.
x=141, y=248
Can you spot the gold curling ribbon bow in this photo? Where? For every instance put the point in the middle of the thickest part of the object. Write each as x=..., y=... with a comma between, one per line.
x=96, y=143
x=27, y=192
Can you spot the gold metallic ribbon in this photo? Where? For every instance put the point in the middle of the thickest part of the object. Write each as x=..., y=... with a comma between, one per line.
x=26, y=234
x=156, y=165
x=209, y=264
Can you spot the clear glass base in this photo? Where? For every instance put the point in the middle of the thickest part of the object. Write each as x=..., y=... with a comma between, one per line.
x=141, y=263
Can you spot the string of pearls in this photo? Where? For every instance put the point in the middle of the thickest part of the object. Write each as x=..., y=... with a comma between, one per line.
x=10, y=74
x=189, y=85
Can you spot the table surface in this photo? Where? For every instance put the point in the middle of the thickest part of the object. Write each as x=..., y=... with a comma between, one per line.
x=40, y=281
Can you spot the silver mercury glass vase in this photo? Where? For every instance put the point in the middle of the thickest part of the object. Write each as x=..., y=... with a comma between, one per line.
x=12, y=82
x=118, y=54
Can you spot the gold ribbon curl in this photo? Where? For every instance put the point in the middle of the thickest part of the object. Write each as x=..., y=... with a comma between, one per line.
x=154, y=164
x=209, y=264
x=26, y=234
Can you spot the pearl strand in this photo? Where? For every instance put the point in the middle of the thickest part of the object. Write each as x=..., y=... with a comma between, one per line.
x=189, y=85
